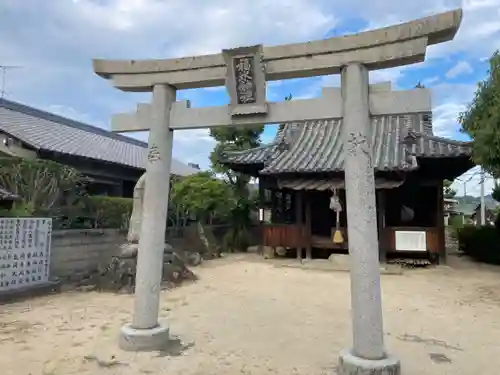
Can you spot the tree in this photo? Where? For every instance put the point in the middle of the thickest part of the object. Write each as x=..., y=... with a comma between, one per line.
x=495, y=194
x=481, y=120
x=448, y=192
x=236, y=139
x=202, y=194
x=42, y=184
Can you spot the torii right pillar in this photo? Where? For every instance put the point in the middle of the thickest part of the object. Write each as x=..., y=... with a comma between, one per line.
x=368, y=355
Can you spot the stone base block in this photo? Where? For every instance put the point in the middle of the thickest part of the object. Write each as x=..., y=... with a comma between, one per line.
x=144, y=340
x=349, y=364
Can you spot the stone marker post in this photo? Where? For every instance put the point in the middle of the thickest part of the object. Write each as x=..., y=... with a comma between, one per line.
x=368, y=352
x=145, y=333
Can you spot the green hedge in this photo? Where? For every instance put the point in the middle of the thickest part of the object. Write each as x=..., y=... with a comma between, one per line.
x=456, y=223
x=481, y=243
x=86, y=213
x=108, y=212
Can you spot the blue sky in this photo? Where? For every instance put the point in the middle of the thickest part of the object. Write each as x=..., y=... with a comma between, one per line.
x=54, y=41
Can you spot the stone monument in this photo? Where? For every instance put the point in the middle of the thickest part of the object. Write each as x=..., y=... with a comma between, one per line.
x=130, y=249
x=245, y=71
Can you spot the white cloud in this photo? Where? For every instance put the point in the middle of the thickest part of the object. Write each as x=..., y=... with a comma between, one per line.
x=376, y=76
x=431, y=80
x=478, y=33
x=444, y=120
x=63, y=36
x=73, y=114
x=461, y=68
x=448, y=101
x=392, y=75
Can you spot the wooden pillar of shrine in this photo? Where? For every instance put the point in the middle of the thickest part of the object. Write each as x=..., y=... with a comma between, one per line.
x=282, y=203
x=274, y=206
x=262, y=207
x=440, y=224
x=307, y=230
x=299, y=221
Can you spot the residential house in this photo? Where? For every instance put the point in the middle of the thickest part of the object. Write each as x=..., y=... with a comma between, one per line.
x=112, y=162
x=491, y=210
x=465, y=211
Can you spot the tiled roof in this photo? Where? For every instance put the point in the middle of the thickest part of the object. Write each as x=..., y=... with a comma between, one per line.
x=467, y=209
x=263, y=154
x=46, y=131
x=317, y=146
x=329, y=183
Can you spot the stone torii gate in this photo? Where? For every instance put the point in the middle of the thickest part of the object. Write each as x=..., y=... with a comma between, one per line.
x=245, y=71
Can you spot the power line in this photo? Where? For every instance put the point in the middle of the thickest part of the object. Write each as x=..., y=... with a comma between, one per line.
x=4, y=69
x=473, y=175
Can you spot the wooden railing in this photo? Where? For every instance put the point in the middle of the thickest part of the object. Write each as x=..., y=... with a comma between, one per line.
x=292, y=235
x=286, y=235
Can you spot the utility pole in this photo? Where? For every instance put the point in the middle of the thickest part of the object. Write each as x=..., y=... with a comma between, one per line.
x=4, y=69
x=483, y=208
x=465, y=188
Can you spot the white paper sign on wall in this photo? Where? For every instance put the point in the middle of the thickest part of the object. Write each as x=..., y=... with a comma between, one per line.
x=411, y=240
x=24, y=252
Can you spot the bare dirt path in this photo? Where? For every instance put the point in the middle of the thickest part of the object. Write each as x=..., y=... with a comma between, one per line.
x=248, y=317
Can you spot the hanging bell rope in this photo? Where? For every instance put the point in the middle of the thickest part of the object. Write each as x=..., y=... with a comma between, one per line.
x=336, y=206
x=335, y=202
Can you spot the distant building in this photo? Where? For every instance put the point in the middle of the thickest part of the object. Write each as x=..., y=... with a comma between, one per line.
x=465, y=211
x=112, y=162
x=491, y=209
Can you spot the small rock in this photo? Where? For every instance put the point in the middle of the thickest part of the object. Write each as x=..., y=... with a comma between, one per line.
x=252, y=249
x=439, y=358
x=86, y=288
x=267, y=252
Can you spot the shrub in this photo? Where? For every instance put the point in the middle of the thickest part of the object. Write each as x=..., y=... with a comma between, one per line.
x=86, y=213
x=236, y=239
x=42, y=184
x=464, y=235
x=92, y=212
x=481, y=243
x=456, y=223
x=19, y=209
x=108, y=212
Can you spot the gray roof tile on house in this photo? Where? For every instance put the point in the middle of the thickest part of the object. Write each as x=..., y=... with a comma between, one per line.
x=467, y=209
x=260, y=155
x=45, y=131
x=257, y=155
x=316, y=146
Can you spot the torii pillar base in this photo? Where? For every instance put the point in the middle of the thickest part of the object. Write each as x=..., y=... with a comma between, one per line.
x=349, y=364
x=144, y=340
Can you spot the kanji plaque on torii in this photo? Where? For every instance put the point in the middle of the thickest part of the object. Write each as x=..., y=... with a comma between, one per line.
x=246, y=80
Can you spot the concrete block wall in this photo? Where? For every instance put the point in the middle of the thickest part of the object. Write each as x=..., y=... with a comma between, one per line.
x=78, y=252
x=75, y=252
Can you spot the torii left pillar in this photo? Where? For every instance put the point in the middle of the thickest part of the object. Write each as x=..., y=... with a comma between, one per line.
x=146, y=333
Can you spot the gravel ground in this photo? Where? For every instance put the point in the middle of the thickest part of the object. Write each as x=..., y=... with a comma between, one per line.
x=245, y=316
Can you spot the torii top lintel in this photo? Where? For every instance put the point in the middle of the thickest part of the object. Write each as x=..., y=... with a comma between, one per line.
x=383, y=48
